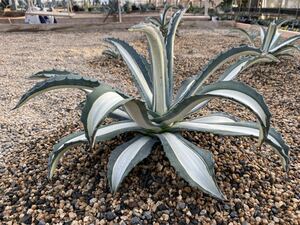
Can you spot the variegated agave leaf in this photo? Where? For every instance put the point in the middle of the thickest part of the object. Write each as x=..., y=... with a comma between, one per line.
x=244, y=33
x=161, y=98
x=196, y=83
x=139, y=67
x=45, y=74
x=103, y=133
x=58, y=82
x=125, y=157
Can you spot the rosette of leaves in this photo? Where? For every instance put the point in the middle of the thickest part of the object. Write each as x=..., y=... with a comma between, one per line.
x=272, y=46
x=111, y=53
x=159, y=117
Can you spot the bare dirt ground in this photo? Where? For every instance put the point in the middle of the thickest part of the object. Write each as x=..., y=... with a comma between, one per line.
x=258, y=191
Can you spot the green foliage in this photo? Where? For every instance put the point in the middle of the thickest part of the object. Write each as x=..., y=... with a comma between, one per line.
x=159, y=117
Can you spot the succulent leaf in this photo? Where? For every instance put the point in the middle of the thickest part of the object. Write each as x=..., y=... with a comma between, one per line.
x=193, y=164
x=286, y=49
x=51, y=73
x=104, y=133
x=286, y=42
x=159, y=70
x=139, y=68
x=269, y=37
x=125, y=157
x=241, y=128
x=262, y=34
x=218, y=117
x=173, y=25
x=216, y=63
x=245, y=34
x=120, y=114
x=57, y=82
x=99, y=104
x=139, y=113
x=235, y=91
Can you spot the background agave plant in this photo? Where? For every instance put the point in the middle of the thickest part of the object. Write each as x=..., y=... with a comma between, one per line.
x=271, y=45
x=111, y=53
x=159, y=117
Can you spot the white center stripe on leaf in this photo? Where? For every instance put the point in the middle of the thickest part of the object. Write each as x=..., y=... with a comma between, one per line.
x=234, y=72
x=242, y=98
x=213, y=119
x=76, y=139
x=192, y=163
x=247, y=131
x=114, y=128
x=125, y=158
x=100, y=107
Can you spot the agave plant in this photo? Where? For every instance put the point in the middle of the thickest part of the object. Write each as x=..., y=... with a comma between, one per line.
x=270, y=45
x=111, y=53
x=159, y=117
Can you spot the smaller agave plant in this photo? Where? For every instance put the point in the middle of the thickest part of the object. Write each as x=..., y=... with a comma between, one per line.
x=159, y=117
x=271, y=46
x=112, y=53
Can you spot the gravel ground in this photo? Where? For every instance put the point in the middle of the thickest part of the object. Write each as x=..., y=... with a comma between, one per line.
x=258, y=191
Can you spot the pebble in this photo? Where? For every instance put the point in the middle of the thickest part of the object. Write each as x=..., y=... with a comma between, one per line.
x=203, y=212
x=233, y=214
x=135, y=221
x=165, y=217
x=147, y=215
x=110, y=216
x=181, y=205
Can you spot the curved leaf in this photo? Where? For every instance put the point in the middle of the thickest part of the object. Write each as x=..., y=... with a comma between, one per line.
x=184, y=87
x=285, y=49
x=216, y=63
x=172, y=28
x=155, y=21
x=138, y=66
x=120, y=115
x=138, y=112
x=233, y=128
x=104, y=133
x=284, y=43
x=245, y=34
x=262, y=34
x=125, y=157
x=165, y=13
x=235, y=91
x=275, y=39
x=159, y=70
x=218, y=117
x=45, y=74
x=269, y=37
x=99, y=104
x=57, y=82
x=193, y=164
x=237, y=68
